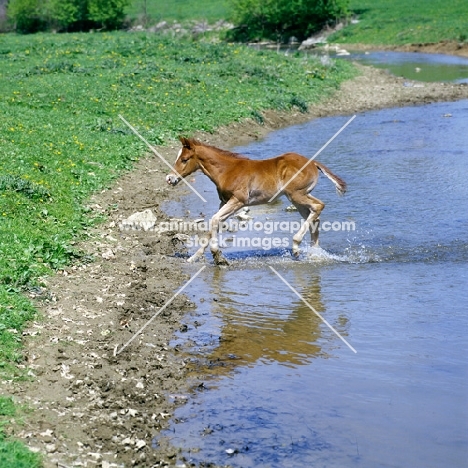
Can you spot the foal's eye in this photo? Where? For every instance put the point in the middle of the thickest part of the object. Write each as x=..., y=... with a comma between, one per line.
x=184, y=160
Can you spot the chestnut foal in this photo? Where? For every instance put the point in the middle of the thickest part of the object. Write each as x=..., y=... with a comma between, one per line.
x=242, y=182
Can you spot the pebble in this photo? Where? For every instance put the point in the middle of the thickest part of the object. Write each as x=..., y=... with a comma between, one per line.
x=243, y=216
x=50, y=448
x=140, y=444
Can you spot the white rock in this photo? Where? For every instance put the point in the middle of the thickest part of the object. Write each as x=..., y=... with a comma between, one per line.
x=108, y=254
x=140, y=444
x=141, y=220
x=342, y=52
x=65, y=372
x=50, y=448
x=243, y=216
x=311, y=42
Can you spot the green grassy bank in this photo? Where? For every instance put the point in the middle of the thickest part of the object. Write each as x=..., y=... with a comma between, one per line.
x=397, y=22
x=180, y=10
x=61, y=139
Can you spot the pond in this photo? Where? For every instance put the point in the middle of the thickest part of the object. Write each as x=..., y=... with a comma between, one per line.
x=274, y=385
x=415, y=65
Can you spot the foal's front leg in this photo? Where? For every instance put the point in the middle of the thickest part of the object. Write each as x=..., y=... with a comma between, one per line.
x=204, y=241
x=225, y=211
x=211, y=238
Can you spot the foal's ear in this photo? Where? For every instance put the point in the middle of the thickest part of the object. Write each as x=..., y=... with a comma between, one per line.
x=185, y=142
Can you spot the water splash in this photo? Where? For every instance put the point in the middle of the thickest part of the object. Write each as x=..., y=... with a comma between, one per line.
x=321, y=256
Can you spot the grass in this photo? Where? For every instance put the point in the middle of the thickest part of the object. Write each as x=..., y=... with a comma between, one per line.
x=13, y=453
x=402, y=22
x=180, y=10
x=61, y=139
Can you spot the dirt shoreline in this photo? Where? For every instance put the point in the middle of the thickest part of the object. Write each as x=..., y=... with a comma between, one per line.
x=443, y=47
x=92, y=408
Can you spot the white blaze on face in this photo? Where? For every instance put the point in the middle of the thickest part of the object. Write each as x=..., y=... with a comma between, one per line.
x=172, y=178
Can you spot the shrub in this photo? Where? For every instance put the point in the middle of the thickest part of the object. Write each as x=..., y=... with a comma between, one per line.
x=27, y=15
x=281, y=19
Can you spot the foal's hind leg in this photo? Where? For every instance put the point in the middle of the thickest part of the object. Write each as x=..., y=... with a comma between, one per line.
x=310, y=208
x=314, y=227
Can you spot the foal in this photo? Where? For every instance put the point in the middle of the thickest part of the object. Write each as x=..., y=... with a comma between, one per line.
x=242, y=182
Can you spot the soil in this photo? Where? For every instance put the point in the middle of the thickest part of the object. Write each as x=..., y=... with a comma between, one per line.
x=92, y=404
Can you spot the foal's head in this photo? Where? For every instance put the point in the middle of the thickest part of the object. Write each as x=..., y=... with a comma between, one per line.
x=185, y=164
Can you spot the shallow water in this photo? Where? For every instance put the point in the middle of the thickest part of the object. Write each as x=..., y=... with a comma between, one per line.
x=281, y=388
x=415, y=65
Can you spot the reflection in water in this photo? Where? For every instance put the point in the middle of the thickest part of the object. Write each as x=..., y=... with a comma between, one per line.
x=260, y=324
x=257, y=327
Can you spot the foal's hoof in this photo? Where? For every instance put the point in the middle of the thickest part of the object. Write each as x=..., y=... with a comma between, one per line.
x=193, y=259
x=219, y=259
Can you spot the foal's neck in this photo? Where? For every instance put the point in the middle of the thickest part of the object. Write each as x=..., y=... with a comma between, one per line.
x=214, y=162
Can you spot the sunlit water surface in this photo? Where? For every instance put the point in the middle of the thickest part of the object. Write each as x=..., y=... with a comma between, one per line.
x=416, y=66
x=280, y=388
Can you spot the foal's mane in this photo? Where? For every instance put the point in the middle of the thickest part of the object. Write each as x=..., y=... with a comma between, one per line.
x=194, y=141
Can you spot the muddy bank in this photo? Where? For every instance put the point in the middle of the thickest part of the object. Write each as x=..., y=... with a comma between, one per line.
x=443, y=47
x=92, y=408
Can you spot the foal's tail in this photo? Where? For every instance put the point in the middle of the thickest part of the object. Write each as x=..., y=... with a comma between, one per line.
x=340, y=184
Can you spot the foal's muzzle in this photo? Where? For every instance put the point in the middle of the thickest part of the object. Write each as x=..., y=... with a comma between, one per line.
x=172, y=179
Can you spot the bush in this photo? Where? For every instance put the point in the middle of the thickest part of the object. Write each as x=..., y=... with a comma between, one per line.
x=66, y=15
x=27, y=15
x=281, y=19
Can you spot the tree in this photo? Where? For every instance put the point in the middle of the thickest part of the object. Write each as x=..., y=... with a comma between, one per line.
x=109, y=13
x=281, y=19
x=64, y=13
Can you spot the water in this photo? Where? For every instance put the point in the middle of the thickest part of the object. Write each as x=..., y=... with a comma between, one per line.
x=416, y=66
x=280, y=388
